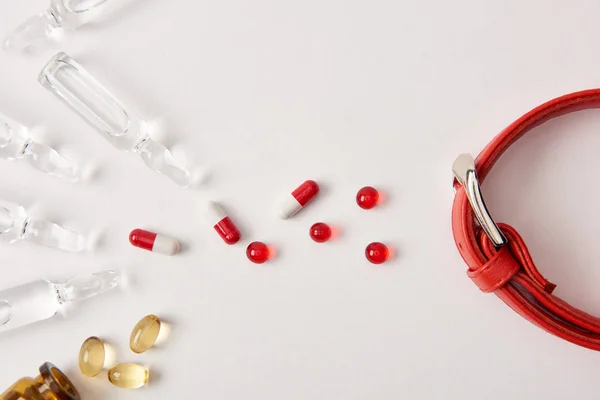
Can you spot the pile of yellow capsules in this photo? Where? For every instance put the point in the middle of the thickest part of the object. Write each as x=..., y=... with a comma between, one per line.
x=95, y=355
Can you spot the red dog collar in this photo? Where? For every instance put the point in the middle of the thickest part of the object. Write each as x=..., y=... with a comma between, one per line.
x=497, y=256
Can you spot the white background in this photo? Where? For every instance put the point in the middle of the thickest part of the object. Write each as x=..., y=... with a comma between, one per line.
x=264, y=94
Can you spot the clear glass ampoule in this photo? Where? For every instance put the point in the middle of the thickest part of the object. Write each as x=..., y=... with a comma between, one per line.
x=67, y=14
x=71, y=83
x=16, y=224
x=16, y=144
x=40, y=300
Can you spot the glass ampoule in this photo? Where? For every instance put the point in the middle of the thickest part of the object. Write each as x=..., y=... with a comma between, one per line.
x=68, y=14
x=50, y=384
x=71, y=83
x=16, y=144
x=16, y=224
x=42, y=299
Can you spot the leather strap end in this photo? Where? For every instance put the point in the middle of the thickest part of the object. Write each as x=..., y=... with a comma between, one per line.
x=549, y=287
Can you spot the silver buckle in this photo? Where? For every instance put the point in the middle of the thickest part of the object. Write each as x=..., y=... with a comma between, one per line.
x=465, y=174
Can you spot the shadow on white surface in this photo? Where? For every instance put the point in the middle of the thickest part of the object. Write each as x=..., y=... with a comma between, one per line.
x=96, y=388
x=156, y=376
x=91, y=172
x=96, y=241
x=184, y=246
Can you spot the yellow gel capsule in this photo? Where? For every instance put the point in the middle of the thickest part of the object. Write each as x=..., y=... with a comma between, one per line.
x=144, y=334
x=128, y=376
x=92, y=356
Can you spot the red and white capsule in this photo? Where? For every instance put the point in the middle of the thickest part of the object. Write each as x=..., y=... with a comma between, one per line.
x=154, y=242
x=299, y=198
x=222, y=223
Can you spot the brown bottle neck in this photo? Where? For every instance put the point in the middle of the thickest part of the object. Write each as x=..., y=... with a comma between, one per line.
x=56, y=385
x=51, y=384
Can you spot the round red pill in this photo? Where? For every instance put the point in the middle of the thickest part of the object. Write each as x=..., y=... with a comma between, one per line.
x=258, y=252
x=320, y=232
x=367, y=197
x=377, y=253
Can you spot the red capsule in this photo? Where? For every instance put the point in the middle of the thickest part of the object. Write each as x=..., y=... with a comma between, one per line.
x=222, y=223
x=298, y=199
x=153, y=242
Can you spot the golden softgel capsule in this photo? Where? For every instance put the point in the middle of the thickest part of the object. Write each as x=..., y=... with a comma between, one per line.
x=92, y=357
x=145, y=334
x=128, y=376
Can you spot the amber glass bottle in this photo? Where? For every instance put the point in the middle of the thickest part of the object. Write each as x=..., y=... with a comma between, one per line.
x=51, y=384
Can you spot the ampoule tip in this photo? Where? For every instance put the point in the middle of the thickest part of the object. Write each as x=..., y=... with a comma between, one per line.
x=84, y=287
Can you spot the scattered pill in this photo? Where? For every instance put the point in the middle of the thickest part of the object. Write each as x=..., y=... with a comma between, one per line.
x=299, y=198
x=258, y=252
x=154, y=242
x=320, y=232
x=367, y=197
x=128, y=376
x=377, y=253
x=144, y=334
x=92, y=357
x=222, y=223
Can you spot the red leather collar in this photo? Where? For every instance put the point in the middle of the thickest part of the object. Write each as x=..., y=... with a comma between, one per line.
x=508, y=270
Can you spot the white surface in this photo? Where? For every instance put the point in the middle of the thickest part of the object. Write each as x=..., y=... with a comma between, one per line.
x=265, y=94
